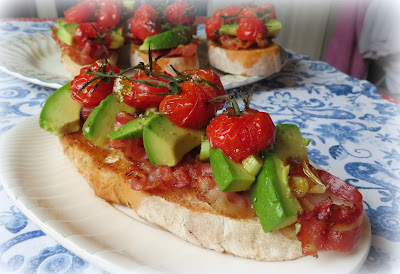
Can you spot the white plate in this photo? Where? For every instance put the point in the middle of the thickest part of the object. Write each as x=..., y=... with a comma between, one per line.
x=36, y=58
x=48, y=190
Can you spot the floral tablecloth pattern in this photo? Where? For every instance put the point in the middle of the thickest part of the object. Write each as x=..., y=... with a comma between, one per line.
x=354, y=132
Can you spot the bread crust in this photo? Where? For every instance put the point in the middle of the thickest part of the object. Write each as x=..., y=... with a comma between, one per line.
x=74, y=68
x=178, y=211
x=179, y=63
x=247, y=62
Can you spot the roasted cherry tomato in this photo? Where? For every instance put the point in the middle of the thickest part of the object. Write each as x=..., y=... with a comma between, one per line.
x=190, y=108
x=90, y=97
x=212, y=26
x=251, y=29
x=248, y=11
x=243, y=135
x=143, y=96
x=180, y=13
x=82, y=12
x=86, y=32
x=267, y=11
x=109, y=14
x=230, y=13
x=145, y=23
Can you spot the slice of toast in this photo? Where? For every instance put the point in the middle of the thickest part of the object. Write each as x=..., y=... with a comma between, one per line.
x=178, y=210
x=247, y=62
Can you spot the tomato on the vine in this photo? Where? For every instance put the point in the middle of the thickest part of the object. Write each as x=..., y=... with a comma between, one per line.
x=180, y=13
x=190, y=109
x=243, y=135
x=251, y=27
x=82, y=12
x=143, y=96
x=90, y=97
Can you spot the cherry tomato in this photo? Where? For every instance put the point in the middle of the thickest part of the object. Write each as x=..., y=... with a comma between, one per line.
x=146, y=11
x=190, y=108
x=145, y=23
x=143, y=96
x=85, y=32
x=82, y=12
x=89, y=97
x=109, y=14
x=248, y=11
x=267, y=11
x=230, y=11
x=250, y=28
x=241, y=136
x=212, y=26
x=180, y=13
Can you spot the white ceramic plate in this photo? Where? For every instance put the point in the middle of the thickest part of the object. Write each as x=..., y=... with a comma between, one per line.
x=48, y=190
x=36, y=58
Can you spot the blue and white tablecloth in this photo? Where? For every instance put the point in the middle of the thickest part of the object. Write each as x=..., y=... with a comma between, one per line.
x=355, y=134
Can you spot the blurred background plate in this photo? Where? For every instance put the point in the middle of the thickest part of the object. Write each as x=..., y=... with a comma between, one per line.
x=36, y=58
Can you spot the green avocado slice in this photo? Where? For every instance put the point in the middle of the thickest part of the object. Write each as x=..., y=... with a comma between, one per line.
x=272, y=199
x=229, y=175
x=166, y=143
x=60, y=114
x=133, y=129
x=101, y=121
x=168, y=39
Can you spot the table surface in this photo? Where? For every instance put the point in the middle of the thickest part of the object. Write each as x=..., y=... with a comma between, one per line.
x=354, y=132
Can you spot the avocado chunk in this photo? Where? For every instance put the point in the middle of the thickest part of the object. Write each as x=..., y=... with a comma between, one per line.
x=289, y=143
x=102, y=119
x=60, y=22
x=133, y=129
x=272, y=198
x=117, y=39
x=228, y=29
x=274, y=28
x=229, y=175
x=66, y=33
x=166, y=143
x=168, y=39
x=60, y=114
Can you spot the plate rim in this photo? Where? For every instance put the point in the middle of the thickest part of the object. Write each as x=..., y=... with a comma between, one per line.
x=102, y=260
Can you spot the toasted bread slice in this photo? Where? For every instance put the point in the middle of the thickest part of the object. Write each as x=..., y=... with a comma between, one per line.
x=179, y=63
x=178, y=210
x=74, y=68
x=247, y=62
